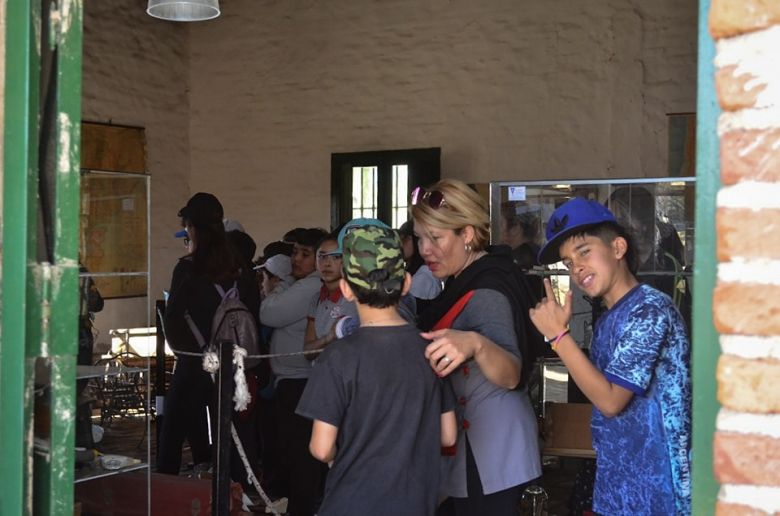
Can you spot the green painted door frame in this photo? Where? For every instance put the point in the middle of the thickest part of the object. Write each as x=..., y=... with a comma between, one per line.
x=706, y=349
x=40, y=267
x=19, y=244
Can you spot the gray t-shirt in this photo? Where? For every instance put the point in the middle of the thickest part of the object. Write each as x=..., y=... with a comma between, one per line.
x=379, y=390
x=500, y=423
x=424, y=284
x=326, y=308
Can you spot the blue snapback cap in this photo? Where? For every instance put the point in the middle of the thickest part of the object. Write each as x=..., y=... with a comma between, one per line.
x=569, y=218
x=353, y=224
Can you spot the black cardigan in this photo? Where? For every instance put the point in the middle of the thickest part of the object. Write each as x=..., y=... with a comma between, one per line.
x=494, y=271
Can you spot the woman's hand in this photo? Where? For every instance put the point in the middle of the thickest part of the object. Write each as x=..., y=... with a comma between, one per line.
x=449, y=349
x=549, y=317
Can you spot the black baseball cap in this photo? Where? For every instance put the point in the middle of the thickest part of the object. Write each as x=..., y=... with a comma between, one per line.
x=202, y=209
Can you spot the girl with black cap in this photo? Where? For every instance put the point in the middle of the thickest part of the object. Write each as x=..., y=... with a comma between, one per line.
x=211, y=261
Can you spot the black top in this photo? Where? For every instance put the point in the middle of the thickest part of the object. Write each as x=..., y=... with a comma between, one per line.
x=495, y=271
x=200, y=298
x=379, y=390
x=525, y=256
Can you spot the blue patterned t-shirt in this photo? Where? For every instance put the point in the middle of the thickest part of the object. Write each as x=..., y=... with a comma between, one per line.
x=643, y=453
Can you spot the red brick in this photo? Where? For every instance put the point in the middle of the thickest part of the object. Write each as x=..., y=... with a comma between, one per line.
x=747, y=385
x=747, y=308
x=752, y=154
x=735, y=509
x=746, y=459
x=732, y=94
x=748, y=233
x=733, y=17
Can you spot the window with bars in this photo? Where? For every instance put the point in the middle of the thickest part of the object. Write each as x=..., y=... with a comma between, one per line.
x=364, y=192
x=377, y=184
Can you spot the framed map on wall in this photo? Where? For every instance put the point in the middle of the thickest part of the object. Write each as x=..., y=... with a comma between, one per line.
x=114, y=231
x=114, y=209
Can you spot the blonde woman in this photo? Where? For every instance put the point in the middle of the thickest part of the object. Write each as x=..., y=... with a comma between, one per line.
x=478, y=336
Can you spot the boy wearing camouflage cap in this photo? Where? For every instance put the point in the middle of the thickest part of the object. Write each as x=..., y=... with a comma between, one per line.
x=380, y=414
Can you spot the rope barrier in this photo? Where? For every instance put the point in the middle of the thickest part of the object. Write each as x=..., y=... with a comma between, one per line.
x=250, y=473
x=271, y=355
x=241, y=396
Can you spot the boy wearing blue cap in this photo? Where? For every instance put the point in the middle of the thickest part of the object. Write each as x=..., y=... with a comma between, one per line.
x=380, y=414
x=638, y=375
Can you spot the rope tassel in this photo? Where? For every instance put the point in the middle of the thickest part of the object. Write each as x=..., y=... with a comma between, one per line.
x=241, y=395
x=210, y=362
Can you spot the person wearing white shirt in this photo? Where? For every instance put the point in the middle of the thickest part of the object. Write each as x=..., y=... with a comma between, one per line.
x=286, y=311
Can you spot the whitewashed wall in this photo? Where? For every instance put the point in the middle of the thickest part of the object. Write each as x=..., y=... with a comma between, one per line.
x=507, y=88
x=251, y=105
x=136, y=72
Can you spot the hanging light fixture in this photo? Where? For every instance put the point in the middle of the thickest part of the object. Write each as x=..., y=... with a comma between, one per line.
x=183, y=10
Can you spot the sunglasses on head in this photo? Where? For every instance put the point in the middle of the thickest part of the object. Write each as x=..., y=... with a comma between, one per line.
x=433, y=198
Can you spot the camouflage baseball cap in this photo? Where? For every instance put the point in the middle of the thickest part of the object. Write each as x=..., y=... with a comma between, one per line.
x=373, y=259
x=357, y=223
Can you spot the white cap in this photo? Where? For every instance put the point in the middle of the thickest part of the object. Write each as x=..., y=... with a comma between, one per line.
x=279, y=265
x=232, y=225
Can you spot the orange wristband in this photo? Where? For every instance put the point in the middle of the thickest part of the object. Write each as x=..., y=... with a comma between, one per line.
x=554, y=343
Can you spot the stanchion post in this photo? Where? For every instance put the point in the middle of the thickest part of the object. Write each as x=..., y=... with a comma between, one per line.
x=159, y=381
x=220, y=487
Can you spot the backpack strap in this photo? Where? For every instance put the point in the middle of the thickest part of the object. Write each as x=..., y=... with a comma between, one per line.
x=448, y=318
x=231, y=292
x=195, y=331
x=446, y=322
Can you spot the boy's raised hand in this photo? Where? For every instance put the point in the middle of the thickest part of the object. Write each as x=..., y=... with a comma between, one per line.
x=549, y=317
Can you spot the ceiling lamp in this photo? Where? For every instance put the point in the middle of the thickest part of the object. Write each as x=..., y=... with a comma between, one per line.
x=183, y=10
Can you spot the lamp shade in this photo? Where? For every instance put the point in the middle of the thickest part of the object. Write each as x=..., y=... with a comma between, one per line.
x=183, y=10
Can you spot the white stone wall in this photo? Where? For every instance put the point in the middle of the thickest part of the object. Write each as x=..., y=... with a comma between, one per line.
x=251, y=105
x=136, y=73
x=508, y=89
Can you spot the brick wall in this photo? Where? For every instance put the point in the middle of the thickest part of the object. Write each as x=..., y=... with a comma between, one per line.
x=509, y=89
x=746, y=301
x=135, y=72
x=251, y=105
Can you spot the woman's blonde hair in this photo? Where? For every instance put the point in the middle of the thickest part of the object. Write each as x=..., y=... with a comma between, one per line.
x=462, y=207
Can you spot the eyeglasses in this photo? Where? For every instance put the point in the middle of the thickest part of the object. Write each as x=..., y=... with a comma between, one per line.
x=433, y=198
x=333, y=256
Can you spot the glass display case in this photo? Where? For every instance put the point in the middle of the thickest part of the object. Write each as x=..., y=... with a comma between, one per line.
x=113, y=388
x=658, y=213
